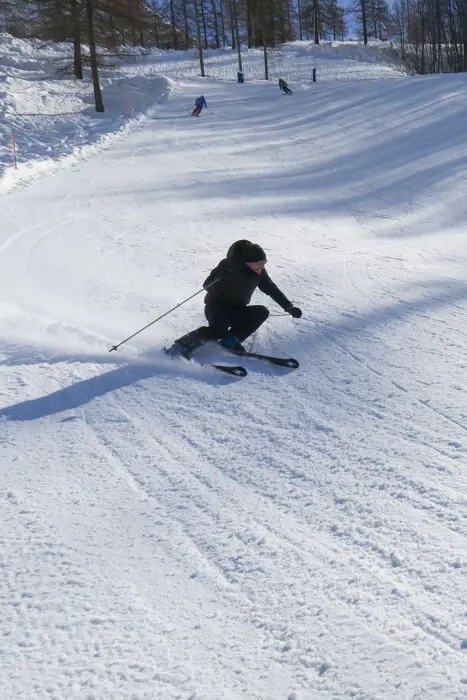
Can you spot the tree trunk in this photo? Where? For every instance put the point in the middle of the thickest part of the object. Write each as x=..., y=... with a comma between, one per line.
x=156, y=30
x=290, y=33
x=265, y=48
x=282, y=24
x=174, y=28
x=272, y=28
x=187, y=25
x=216, y=24
x=113, y=32
x=249, y=20
x=438, y=27
x=203, y=17
x=422, y=67
x=300, y=21
x=408, y=22
x=237, y=36
x=77, y=57
x=316, y=20
x=364, y=24
x=198, y=34
x=232, y=26
x=223, y=23
x=93, y=56
x=136, y=22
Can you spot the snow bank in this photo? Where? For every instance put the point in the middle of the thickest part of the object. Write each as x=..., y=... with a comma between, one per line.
x=53, y=116
x=334, y=62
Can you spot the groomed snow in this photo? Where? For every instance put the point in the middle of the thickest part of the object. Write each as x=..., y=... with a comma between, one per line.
x=53, y=116
x=171, y=533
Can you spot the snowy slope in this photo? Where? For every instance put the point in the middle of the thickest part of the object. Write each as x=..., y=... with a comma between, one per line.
x=171, y=533
x=53, y=117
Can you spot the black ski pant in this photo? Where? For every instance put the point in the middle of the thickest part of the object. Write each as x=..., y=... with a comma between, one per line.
x=225, y=319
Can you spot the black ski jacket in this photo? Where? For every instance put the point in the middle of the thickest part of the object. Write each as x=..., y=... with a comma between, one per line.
x=237, y=282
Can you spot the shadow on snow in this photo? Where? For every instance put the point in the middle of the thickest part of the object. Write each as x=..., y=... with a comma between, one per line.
x=433, y=296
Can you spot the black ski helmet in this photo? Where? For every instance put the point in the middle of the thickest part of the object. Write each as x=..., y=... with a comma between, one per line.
x=238, y=248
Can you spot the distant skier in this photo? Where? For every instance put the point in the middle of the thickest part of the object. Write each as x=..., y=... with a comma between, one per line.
x=200, y=102
x=229, y=289
x=284, y=87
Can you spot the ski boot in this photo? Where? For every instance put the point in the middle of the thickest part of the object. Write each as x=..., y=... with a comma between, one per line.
x=177, y=351
x=230, y=342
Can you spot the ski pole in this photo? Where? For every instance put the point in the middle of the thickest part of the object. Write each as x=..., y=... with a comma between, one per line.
x=115, y=347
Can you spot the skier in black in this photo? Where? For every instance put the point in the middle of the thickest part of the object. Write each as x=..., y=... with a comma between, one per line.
x=229, y=289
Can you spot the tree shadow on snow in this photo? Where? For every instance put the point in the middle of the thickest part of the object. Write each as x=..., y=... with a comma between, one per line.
x=394, y=176
x=347, y=157
x=424, y=298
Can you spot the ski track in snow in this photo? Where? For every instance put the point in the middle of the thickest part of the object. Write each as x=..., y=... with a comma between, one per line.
x=168, y=532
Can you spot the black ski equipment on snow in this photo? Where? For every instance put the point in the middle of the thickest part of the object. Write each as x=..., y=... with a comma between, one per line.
x=235, y=370
x=289, y=362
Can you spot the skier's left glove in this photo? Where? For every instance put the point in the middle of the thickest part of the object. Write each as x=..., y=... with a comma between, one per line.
x=294, y=311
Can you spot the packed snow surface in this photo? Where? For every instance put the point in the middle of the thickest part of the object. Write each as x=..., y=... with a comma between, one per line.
x=53, y=116
x=168, y=532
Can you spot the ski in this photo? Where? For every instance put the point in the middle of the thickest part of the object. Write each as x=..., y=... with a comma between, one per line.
x=288, y=362
x=235, y=370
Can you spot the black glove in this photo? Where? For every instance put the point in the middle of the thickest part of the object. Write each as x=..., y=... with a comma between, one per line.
x=294, y=311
